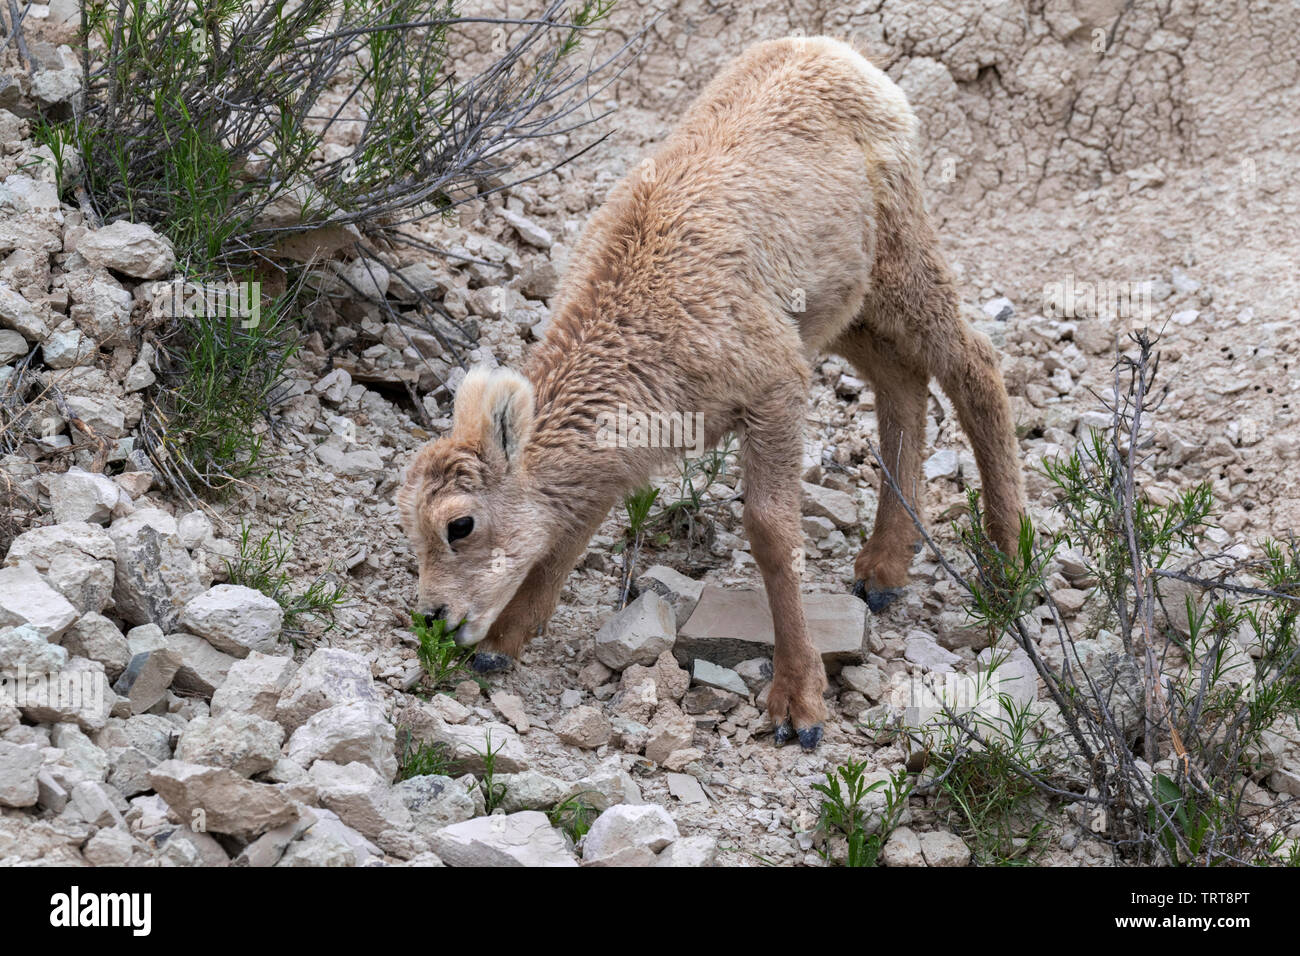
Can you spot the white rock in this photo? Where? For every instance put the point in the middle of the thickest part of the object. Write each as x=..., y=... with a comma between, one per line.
x=51, y=87
x=903, y=848
x=607, y=785
x=920, y=648
x=220, y=799
x=109, y=847
x=194, y=528
x=670, y=731
x=130, y=248
x=354, y=731
x=516, y=839
x=76, y=558
x=629, y=832
x=130, y=769
x=26, y=599
x=151, y=733
x=146, y=678
x=94, y=801
x=244, y=743
x=66, y=348
x=723, y=678
x=1014, y=674
x=101, y=306
x=78, y=495
x=674, y=587
x=138, y=376
x=75, y=757
x=323, y=845
x=585, y=727
x=360, y=797
x=435, y=801
x=942, y=464
x=829, y=503
x=234, y=619
x=941, y=848
x=529, y=231
x=24, y=647
x=689, y=851
x=145, y=638
x=1000, y=308
x=12, y=345
x=82, y=694
x=267, y=849
x=17, y=313
x=638, y=634
x=368, y=277
x=155, y=575
x=203, y=668
x=348, y=460
x=96, y=637
x=19, y=766
x=254, y=685
x=327, y=678
x=333, y=387
x=530, y=790
x=466, y=744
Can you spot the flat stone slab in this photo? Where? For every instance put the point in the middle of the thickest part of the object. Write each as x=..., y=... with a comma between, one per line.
x=732, y=625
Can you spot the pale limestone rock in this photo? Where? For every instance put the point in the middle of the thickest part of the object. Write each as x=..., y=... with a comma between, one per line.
x=516, y=839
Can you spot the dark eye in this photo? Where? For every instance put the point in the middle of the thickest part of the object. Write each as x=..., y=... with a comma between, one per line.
x=460, y=528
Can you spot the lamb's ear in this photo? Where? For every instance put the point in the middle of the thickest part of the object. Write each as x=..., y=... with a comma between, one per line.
x=494, y=409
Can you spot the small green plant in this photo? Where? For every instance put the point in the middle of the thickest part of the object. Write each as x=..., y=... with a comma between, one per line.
x=438, y=653
x=211, y=121
x=1188, y=819
x=1283, y=852
x=637, y=504
x=680, y=516
x=219, y=377
x=998, y=810
x=421, y=758
x=493, y=791
x=696, y=476
x=574, y=816
x=260, y=565
x=842, y=810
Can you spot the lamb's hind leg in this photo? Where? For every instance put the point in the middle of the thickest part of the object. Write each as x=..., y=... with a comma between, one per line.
x=967, y=369
x=770, y=459
x=901, y=387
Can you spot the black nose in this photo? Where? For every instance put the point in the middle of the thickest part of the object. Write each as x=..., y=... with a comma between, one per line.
x=438, y=614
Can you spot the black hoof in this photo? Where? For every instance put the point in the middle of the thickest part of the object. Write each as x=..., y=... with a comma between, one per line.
x=783, y=734
x=811, y=737
x=877, y=598
x=485, y=662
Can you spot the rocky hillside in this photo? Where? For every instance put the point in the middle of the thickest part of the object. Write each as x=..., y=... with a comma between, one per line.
x=192, y=724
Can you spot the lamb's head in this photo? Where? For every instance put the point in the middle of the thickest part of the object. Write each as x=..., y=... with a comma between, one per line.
x=468, y=509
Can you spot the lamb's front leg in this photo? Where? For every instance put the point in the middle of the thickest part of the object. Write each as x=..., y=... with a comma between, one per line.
x=772, y=507
x=535, y=601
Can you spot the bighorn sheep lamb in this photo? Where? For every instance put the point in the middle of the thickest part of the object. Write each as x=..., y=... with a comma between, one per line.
x=783, y=217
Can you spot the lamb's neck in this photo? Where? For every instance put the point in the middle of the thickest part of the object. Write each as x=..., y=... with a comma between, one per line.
x=573, y=462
